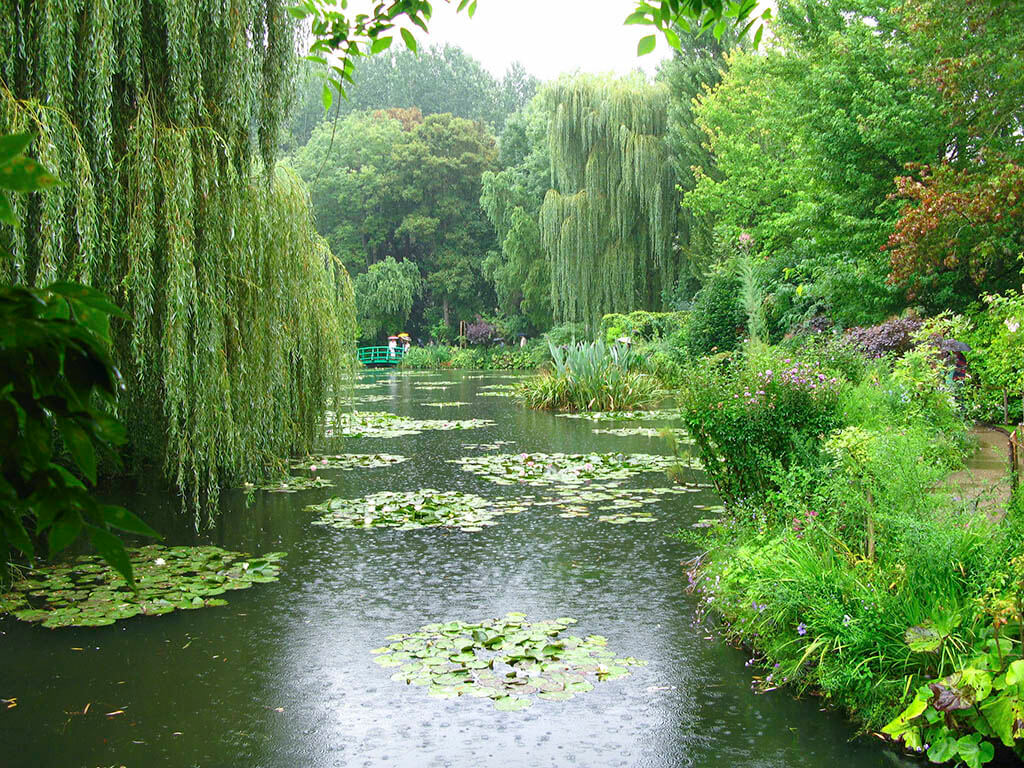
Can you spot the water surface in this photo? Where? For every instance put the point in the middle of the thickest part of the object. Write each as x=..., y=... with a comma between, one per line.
x=282, y=676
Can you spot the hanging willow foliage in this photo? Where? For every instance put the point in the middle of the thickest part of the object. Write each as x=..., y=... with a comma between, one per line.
x=162, y=119
x=607, y=225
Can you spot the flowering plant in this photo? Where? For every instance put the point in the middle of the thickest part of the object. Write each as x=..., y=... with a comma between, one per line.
x=746, y=423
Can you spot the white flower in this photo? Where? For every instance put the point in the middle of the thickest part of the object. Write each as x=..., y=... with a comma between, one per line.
x=1013, y=324
x=161, y=561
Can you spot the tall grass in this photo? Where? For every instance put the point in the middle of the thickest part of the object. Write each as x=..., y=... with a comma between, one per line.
x=591, y=377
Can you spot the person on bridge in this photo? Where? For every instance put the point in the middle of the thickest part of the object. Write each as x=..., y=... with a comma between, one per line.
x=392, y=346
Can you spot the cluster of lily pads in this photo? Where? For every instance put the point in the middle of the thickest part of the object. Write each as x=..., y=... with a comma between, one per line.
x=373, y=398
x=383, y=424
x=611, y=499
x=453, y=404
x=508, y=660
x=89, y=593
x=562, y=468
x=290, y=484
x=426, y=508
x=641, y=431
x=348, y=461
x=622, y=415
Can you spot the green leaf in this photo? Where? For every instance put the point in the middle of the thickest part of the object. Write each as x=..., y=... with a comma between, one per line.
x=472, y=9
x=673, y=39
x=64, y=531
x=122, y=519
x=943, y=749
x=901, y=722
x=646, y=45
x=757, y=36
x=6, y=212
x=410, y=40
x=719, y=29
x=111, y=549
x=326, y=97
x=16, y=534
x=13, y=145
x=23, y=174
x=381, y=44
x=973, y=751
x=1005, y=714
x=80, y=446
x=1015, y=673
x=637, y=17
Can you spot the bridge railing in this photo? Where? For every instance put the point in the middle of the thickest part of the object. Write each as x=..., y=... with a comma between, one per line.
x=380, y=355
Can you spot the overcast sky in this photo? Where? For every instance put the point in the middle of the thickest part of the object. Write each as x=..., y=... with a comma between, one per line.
x=548, y=36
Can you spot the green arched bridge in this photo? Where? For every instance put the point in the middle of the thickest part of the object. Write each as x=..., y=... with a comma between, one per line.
x=380, y=356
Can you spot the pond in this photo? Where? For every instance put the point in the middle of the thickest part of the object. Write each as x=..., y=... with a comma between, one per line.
x=283, y=675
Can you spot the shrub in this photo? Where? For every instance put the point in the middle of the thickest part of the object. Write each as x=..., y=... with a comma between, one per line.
x=590, y=377
x=891, y=337
x=567, y=333
x=749, y=419
x=642, y=326
x=717, y=320
x=424, y=358
x=481, y=332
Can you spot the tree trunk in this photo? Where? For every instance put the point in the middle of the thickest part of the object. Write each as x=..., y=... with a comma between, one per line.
x=445, y=310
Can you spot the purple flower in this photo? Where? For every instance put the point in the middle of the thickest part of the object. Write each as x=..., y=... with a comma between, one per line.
x=801, y=629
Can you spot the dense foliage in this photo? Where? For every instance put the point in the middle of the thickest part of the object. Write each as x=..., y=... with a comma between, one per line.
x=409, y=191
x=607, y=222
x=163, y=120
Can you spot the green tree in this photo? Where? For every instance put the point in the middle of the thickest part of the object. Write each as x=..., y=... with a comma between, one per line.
x=608, y=223
x=436, y=80
x=807, y=138
x=384, y=296
x=696, y=68
x=962, y=225
x=163, y=118
x=410, y=194
x=512, y=198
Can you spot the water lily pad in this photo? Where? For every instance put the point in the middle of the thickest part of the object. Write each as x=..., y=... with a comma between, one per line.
x=291, y=484
x=662, y=415
x=509, y=660
x=574, y=469
x=426, y=508
x=679, y=434
x=167, y=579
x=453, y=404
x=318, y=462
x=386, y=425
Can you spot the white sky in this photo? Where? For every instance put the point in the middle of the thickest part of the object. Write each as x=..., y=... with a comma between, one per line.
x=548, y=36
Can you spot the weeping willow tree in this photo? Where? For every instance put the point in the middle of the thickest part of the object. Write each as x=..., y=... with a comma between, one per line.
x=607, y=225
x=162, y=119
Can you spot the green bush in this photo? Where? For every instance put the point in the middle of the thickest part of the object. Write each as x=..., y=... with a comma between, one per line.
x=717, y=321
x=642, y=326
x=748, y=417
x=567, y=333
x=590, y=377
x=510, y=358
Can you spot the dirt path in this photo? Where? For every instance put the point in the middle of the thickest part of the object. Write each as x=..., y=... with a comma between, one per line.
x=985, y=482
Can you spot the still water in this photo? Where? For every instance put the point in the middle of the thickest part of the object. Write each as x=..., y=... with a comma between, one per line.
x=282, y=676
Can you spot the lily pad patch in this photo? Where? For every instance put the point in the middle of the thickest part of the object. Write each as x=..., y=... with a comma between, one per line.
x=426, y=508
x=539, y=469
x=679, y=434
x=88, y=593
x=452, y=404
x=622, y=415
x=290, y=484
x=383, y=424
x=317, y=462
x=508, y=660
